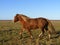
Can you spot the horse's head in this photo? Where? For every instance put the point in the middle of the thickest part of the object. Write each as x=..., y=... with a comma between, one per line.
x=21, y=18
x=16, y=18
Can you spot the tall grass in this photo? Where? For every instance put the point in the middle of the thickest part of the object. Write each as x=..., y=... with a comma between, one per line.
x=9, y=35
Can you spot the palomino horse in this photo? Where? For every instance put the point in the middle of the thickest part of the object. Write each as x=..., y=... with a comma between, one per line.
x=34, y=23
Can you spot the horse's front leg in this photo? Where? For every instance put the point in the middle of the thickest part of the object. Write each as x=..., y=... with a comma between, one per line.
x=30, y=33
x=21, y=31
x=42, y=32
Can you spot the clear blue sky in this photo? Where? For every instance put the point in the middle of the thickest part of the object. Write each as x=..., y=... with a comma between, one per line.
x=33, y=8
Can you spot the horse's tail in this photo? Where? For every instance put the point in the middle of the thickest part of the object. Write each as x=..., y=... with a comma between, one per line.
x=51, y=27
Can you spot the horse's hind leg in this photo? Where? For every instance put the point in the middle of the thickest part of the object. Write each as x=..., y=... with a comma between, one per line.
x=46, y=28
x=49, y=34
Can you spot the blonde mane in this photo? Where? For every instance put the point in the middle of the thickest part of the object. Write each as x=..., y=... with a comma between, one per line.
x=25, y=18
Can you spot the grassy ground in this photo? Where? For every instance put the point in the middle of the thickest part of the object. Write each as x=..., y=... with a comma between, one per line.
x=9, y=35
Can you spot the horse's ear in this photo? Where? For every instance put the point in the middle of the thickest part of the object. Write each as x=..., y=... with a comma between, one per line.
x=17, y=14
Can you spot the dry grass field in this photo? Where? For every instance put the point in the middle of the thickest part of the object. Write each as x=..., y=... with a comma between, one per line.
x=9, y=35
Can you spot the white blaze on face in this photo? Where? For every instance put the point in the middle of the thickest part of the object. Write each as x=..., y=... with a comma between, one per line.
x=24, y=18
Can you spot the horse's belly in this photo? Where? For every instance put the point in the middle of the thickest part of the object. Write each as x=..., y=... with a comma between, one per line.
x=33, y=26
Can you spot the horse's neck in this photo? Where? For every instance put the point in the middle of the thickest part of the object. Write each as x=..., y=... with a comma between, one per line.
x=23, y=21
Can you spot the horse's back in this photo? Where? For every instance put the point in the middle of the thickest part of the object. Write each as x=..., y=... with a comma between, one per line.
x=42, y=22
x=33, y=23
x=38, y=22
